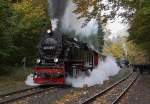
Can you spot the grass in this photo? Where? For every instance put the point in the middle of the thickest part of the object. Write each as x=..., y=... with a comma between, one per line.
x=20, y=74
x=122, y=73
x=13, y=79
x=14, y=75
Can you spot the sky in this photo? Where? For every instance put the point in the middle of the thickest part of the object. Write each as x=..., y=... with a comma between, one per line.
x=117, y=28
x=71, y=23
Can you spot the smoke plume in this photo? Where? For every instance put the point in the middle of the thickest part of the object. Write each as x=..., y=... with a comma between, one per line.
x=102, y=72
x=67, y=21
x=56, y=9
x=70, y=22
x=54, y=23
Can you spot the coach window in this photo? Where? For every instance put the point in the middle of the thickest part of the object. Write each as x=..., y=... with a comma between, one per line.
x=84, y=57
x=77, y=53
x=72, y=53
x=82, y=54
x=90, y=58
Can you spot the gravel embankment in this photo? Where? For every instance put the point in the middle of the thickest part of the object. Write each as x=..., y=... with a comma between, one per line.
x=139, y=92
x=110, y=96
x=11, y=87
x=75, y=97
x=68, y=95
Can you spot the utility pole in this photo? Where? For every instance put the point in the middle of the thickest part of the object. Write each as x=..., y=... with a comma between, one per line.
x=100, y=37
x=24, y=62
x=125, y=51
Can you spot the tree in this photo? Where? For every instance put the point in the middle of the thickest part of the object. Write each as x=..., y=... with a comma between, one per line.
x=139, y=31
x=135, y=55
x=114, y=49
x=21, y=24
x=100, y=36
x=99, y=6
x=137, y=12
x=6, y=45
x=28, y=20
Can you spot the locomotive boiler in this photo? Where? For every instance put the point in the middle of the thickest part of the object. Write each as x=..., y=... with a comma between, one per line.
x=60, y=56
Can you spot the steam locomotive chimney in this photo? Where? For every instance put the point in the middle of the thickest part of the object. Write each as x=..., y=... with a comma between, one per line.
x=51, y=26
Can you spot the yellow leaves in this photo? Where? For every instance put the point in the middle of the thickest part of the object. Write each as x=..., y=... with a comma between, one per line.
x=83, y=6
x=94, y=2
x=28, y=12
x=27, y=7
x=136, y=55
x=23, y=7
x=114, y=49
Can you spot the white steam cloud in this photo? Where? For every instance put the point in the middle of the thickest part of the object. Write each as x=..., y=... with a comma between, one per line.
x=29, y=81
x=71, y=23
x=102, y=72
x=54, y=23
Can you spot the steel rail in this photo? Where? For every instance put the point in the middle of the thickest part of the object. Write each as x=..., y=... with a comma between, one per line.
x=125, y=90
x=17, y=91
x=23, y=96
x=91, y=99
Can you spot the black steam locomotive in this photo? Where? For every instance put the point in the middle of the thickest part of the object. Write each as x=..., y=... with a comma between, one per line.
x=60, y=56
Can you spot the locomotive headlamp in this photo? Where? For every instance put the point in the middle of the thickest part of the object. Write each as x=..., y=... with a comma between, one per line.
x=55, y=59
x=48, y=31
x=75, y=39
x=38, y=60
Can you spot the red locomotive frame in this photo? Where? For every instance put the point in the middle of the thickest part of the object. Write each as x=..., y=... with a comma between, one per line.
x=47, y=80
x=60, y=70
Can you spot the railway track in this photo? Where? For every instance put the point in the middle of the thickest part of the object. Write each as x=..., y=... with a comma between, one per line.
x=114, y=93
x=16, y=95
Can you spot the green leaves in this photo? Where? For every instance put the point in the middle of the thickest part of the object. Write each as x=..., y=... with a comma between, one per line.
x=140, y=27
x=100, y=36
x=137, y=13
x=21, y=24
x=29, y=19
